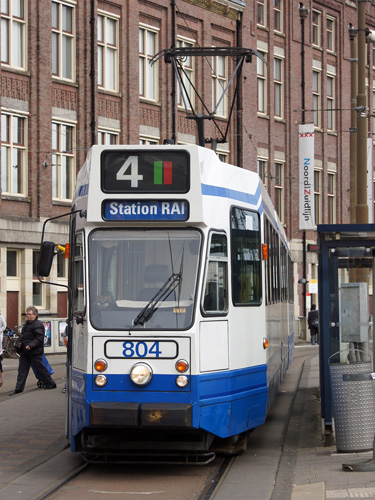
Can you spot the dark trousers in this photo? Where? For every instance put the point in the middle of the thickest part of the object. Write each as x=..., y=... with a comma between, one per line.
x=24, y=368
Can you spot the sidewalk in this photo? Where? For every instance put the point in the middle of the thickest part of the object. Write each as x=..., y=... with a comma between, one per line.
x=286, y=458
x=318, y=471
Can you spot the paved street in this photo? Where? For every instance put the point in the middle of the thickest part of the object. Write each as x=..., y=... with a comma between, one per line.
x=286, y=458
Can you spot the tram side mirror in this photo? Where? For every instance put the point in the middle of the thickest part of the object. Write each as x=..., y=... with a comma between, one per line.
x=47, y=253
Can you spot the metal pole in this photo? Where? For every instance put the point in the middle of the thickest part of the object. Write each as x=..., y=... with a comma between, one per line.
x=353, y=122
x=361, y=204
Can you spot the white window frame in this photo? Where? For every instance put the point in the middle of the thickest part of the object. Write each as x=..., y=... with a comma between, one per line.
x=59, y=156
x=148, y=74
x=261, y=13
x=317, y=97
x=11, y=152
x=188, y=65
x=107, y=137
x=262, y=169
x=18, y=260
x=14, y=34
x=108, y=52
x=60, y=37
x=36, y=283
x=149, y=140
x=262, y=104
x=219, y=83
x=331, y=33
x=278, y=13
x=331, y=99
x=331, y=194
x=279, y=190
x=279, y=88
x=316, y=19
x=318, y=195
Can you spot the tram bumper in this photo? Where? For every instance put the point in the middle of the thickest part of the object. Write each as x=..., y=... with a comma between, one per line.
x=113, y=414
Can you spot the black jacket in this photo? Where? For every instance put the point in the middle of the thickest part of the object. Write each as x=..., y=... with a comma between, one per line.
x=33, y=336
x=310, y=318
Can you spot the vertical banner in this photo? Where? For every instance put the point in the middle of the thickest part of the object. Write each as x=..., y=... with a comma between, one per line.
x=306, y=176
x=370, y=182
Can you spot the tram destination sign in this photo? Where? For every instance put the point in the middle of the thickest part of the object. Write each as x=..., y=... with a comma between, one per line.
x=145, y=171
x=141, y=210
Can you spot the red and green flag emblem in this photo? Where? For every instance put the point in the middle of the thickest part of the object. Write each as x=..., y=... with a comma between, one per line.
x=162, y=172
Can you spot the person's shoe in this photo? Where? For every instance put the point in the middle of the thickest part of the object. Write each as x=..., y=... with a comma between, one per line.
x=15, y=392
x=63, y=390
x=50, y=386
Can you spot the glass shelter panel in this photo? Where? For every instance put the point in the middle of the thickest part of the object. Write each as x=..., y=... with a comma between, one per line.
x=351, y=303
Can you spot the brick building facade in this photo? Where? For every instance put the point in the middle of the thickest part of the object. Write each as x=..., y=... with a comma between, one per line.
x=76, y=73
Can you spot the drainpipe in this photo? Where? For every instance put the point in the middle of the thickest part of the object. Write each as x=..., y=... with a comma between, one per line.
x=303, y=13
x=92, y=72
x=173, y=95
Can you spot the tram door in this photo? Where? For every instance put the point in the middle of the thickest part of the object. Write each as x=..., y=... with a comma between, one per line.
x=346, y=307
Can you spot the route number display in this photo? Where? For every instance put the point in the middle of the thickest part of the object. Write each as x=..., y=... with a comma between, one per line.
x=147, y=171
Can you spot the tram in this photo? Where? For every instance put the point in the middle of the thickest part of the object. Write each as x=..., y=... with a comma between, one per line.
x=181, y=303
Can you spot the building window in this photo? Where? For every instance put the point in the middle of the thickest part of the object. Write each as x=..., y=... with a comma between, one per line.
x=278, y=15
x=185, y=97
x=317, y=196
x=223, y=155
x=262, y=84
x=331, y=199
x=63, y=161
x=63, y=46
x=37, y=285
x=330, y=34
x=262, y=171
x=278, y=86
x=316, y=98
x=148, y=141
x=279, y=190
x=261, y=12
x=13, y=155
x=219, y=83
x=62, y=265
x=12, y=263
x=330, y=102
x=316, y=28
x=148, y=74
x=107, y=52
x=106, y=138
x=13, y=33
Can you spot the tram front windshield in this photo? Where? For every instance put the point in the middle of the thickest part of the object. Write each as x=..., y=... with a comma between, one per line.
x=143, y=279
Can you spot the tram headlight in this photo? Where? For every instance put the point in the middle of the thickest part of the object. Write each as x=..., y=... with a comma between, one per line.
x=141, y=374
x=182, y=366
x=100, y=365
x=182, y=381
x=101, y=380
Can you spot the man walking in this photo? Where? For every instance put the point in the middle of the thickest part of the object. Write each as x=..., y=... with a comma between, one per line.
x=32, y=352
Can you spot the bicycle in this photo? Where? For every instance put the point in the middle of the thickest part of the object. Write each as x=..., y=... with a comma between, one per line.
x=9, y=338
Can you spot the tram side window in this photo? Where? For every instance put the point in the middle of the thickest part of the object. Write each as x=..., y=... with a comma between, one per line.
x=246, y=261
x=216, y=286
x=78, y=278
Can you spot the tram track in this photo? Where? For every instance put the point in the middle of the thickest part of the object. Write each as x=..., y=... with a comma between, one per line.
x=211, y=478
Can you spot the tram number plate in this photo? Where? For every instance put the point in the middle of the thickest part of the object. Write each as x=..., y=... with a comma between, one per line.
x=145, y=349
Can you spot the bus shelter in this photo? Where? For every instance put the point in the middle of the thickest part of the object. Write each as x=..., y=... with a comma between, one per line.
x=346, y=305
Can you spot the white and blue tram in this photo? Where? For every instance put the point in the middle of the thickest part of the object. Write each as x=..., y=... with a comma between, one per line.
x=181, y=314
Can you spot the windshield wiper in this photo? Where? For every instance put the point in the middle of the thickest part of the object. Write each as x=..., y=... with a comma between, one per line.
x=162, y=294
